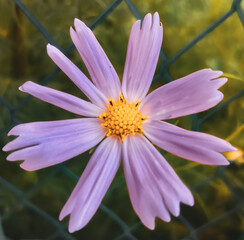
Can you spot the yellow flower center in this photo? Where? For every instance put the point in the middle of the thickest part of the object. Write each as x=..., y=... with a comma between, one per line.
x=122, y=118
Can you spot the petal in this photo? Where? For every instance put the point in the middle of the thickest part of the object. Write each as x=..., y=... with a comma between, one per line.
x=75, y=74
x=142, y=57
x=93, y=184
x=194, y=146
x=194, y=93
x=43, y=144
x=98, y=65
x=155, y=189
x=63, y=100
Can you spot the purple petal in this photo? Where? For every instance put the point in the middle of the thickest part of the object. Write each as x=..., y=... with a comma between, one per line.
x=75, y=74
x=98, y=65
x=93, y=184
x=43, y=144
x=194, y=146
x=194, y=93
x=155, y=189
x=142, y=57
x=63, y=100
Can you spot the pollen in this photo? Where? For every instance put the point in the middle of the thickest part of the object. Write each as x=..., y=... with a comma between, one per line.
x=122, y=118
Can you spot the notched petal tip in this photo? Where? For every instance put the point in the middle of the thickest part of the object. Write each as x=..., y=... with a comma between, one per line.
x=167, y=219
x=14, y=130
x=156, y=19
x=5, y=148
x=151, y=227
x=25, y=86
x=213, y=74
x=150, y=224
x=222, y=161
x=71, y=30
x=27, y=167
x=73, y=228
x=228, y=147
x=21, y=88
x=136, y=26
x=147, y=16
x=221, y=81
x=226, y=163
x=232, y=149
x=63, y=214
x=10, y=133
x=77, y=21
x=212, y=70
x=220, y=96
x=79, y=25
x=187, y=198
x=11, y=158
x=73, y=34
x=52, y=50
x=191, y=201
x=49, y=46
x=147, y=21
x=217, y=72
x=156, y=14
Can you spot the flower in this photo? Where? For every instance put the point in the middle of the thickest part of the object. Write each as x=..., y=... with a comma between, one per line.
x=124, y=120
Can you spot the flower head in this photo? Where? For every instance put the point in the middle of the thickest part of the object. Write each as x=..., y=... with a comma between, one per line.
x=122, y=118
x=124, y=121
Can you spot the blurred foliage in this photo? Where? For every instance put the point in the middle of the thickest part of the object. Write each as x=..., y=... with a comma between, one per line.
x=23, y=57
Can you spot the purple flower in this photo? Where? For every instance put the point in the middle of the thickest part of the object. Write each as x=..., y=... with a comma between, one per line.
x=126, y=121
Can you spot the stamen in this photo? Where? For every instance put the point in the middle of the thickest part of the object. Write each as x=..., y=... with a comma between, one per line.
x=111, y=102
x=121, y=98
x=122, y=118
x=137, y=103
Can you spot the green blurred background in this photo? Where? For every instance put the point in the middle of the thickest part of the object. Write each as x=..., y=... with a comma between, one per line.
x=25, y=197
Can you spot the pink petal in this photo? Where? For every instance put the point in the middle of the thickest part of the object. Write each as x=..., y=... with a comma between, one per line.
x=93, y=184
x=194, y=146
x=43, y=144
x=75, y=74
x=63, y=100
x=155, y=189
x=142, y=57
x=98, y=65
x=194, y=93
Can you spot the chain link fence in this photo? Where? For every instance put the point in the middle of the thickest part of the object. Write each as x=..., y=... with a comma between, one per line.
x=108, y=219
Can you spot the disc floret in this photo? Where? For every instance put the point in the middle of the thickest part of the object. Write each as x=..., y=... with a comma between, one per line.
x=122, y=118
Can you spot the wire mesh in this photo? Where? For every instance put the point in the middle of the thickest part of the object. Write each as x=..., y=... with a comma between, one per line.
x=126, y=230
